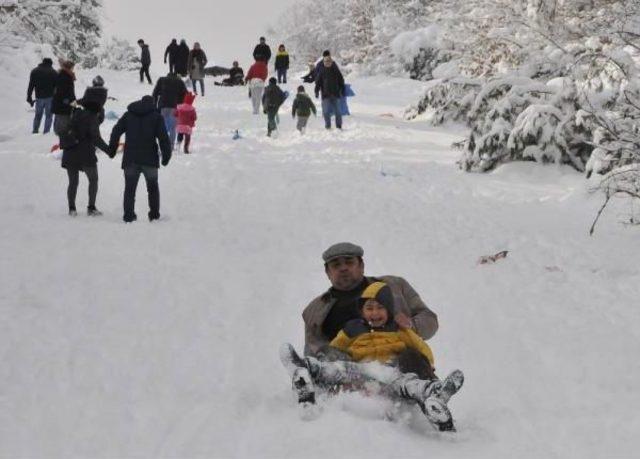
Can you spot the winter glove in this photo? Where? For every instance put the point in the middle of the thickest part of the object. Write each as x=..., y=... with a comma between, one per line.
x=30, y=101
x=165, y=161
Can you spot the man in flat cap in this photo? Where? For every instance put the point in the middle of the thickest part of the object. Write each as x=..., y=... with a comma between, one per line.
x=326, y=315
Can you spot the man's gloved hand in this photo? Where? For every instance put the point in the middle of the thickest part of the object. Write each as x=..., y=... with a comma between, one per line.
x=165, y=161
x=30, y=101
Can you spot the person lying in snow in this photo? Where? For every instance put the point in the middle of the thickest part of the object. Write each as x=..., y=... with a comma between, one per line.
x=374, y=328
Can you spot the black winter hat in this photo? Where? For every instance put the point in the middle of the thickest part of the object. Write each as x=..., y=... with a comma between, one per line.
x=381, y=292
x=272, y=80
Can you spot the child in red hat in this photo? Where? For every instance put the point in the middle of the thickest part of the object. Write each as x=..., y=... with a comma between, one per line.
x=186, y=119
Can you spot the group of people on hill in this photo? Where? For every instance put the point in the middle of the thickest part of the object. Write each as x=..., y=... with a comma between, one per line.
x=77, y=122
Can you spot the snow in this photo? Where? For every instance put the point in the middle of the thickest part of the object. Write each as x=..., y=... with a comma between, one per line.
x=161, y=340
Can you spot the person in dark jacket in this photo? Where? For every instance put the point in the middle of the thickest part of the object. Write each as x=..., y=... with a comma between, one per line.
x=236, y=76
x=302, y=106
x=272, y=98
x=310, y=77
x=182, y=59
x=64, y=98
x=81, y=154
x=330, y=82
x=145, y=130
x=145, y=61
x=168, y=93
x=262, y=52
x=97, y=93
x=43, y=80
x=282, y=64
x=171, y=52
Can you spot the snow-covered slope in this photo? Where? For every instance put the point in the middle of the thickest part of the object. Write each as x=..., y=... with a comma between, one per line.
x=161, y=340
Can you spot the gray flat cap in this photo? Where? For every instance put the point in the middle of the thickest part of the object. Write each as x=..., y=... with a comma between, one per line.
x=342, y=249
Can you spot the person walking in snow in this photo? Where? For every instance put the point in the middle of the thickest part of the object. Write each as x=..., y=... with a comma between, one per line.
x=262, y=51
x=79, y=155
x=145, y=131
x=145, y=61
x=187, y=116
x=98, y=94
x=302, y=107
x=43, y=80
x=271, y=101
x=282, y=64
x=171, y=52
x=64, y=97
x=330, y=82
x=167, y=94
x=196, y=64
x=256, y=77
x=182, y=59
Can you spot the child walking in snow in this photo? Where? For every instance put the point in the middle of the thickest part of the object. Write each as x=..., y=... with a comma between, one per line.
x=186, y=119
x=302, y=106
x=271, y=100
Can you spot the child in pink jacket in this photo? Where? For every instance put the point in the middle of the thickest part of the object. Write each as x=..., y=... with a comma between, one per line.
x=186, y=119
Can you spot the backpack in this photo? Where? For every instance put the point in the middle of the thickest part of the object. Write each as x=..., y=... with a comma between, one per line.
x=69, y=137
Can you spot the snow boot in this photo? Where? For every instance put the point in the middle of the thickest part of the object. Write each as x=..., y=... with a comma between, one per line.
x=73, y=213
x=93, y=212
x=449, y=386
x=301, y=370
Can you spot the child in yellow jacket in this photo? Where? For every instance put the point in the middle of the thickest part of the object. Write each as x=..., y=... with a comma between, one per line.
x=376, y=335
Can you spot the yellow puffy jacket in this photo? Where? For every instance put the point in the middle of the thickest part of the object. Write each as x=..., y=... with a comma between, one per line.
x=362, y=342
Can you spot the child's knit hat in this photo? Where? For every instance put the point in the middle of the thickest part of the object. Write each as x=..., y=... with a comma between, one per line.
x=381, y=292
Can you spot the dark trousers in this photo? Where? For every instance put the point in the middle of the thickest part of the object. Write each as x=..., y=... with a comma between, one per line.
x=282, y=75
x=144, y=71
x=329, y=105
x=43, y=107
x=72, y=189
x=272, y=116
x=131, y=176
x=172, y=66
x=412, y=361
x=187, y=141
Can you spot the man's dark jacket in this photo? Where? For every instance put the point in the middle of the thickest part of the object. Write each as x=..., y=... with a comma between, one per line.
x=330, y=82
x=262, y=52
x=182, y=59
x=145, y=56
x=169, y=91
x=145, y=129
x=43, y=80
x=171, y=51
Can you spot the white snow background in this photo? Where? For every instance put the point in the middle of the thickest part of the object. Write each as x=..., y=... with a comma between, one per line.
x=161, y=340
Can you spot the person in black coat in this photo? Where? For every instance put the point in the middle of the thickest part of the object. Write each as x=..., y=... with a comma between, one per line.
x=64, y=97
x=80, y=155
x=145, y=130
x=43, y=80
x=262, y=52
x=145, y=61
x=97, y=93
x=168, y=93
x=182, y=59
x=272, y=99
x=171, y=52
x=330, y=82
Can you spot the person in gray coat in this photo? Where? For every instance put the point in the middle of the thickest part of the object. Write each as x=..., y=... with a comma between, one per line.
x=326, y=315
x=197, y=62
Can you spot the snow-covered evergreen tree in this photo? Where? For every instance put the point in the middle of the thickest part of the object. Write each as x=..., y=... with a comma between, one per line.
x=71, y=27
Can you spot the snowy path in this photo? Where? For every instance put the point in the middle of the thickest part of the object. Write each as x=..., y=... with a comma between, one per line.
x=160, y=340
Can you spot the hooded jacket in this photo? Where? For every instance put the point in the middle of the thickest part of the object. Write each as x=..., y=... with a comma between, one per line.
x=85, y=126
x=273, y=97
x=144, y=129
x=303, y=105
x=363, y=342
